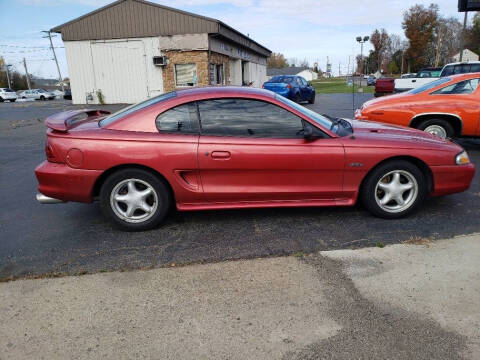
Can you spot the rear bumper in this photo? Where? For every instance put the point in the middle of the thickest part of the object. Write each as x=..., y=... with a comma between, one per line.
x=451, y=179
x=62, y=182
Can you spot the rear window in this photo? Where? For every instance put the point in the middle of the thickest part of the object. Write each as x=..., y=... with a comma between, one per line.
x=429, y=86
x=282, y=79
x=136, y=107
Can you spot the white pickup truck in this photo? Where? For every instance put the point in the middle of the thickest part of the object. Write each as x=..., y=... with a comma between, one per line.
x=423, y=77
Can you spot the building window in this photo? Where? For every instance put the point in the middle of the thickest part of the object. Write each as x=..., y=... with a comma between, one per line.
x=186, y=75
x=216, y=74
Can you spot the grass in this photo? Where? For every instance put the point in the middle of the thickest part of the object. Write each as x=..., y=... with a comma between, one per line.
x=337, y=85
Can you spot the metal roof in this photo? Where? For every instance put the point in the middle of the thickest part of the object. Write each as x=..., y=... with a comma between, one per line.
x=138, y=18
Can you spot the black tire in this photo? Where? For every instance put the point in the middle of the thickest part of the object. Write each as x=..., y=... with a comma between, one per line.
x=42, y=98
x=447, y=127
x=157, y=184
x=1, y=99
x=297, y=98
x=13, y=100
x=312, y=99
x=369, y=191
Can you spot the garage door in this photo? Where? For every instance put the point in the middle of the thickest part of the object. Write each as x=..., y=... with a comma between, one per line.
x=120, y=71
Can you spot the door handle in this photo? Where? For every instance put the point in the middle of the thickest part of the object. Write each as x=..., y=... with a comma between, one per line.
x=221, y=155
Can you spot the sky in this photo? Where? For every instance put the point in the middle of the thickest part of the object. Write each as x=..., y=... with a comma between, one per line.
x=302, y=29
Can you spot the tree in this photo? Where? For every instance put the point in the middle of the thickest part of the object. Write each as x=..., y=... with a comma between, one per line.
x=472, y=37
x=419, y=23
x=277, y=60
x=304, y=63
x=381, y=43
x=393, y=67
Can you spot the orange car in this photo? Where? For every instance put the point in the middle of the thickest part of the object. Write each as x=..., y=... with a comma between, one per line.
x=447, y=107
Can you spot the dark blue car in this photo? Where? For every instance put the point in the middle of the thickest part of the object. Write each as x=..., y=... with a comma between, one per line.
x=295, y=88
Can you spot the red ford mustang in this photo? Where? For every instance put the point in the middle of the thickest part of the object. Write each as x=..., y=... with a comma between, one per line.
x=232, y=147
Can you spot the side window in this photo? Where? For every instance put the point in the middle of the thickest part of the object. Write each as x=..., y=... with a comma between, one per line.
x=304, y=82
x=248, y=118
x=462, y=87
x=457, y=69
x=299, y=81
x=474, y=67
x=180, y=119
x=447, y=71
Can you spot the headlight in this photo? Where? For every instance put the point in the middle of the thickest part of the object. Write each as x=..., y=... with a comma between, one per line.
x=462, y=158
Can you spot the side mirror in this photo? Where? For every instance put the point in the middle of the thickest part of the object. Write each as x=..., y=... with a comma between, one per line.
x=308, y=132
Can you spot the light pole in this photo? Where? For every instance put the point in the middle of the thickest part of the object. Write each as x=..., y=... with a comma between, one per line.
x=362, y=41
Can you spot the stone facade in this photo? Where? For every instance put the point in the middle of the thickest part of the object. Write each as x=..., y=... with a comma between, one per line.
x=199, y=57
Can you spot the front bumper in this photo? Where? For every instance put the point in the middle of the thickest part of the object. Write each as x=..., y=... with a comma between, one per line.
x=452, y=179
x=62, y=182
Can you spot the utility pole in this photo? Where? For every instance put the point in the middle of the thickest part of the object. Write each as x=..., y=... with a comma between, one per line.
x=26, y=73
x=8, y=75
x=339, y=72
x=462, y=40
x=49, y=35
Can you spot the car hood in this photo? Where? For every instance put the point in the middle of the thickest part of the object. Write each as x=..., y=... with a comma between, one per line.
x=394, y=136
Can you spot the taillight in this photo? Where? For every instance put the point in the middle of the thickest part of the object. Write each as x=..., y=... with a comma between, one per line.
x=263, y=86
x=289, y=86
x=49, y=153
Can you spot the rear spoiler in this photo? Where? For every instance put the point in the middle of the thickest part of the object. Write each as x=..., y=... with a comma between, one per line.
x=67, y=119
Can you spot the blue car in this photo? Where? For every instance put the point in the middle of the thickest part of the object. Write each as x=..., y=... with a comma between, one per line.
x=295, y=88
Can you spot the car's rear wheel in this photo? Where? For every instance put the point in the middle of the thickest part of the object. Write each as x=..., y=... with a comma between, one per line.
x=297, y=98
x=135, y=199
x=312, y=99
x=438, y=127
x=42, y=97
x=1, y=99
x=394, y=189
x=13, y=100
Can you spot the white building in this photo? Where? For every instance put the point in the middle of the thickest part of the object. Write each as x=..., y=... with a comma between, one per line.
x=131, y=50
x=468, y=55
x=305, y=72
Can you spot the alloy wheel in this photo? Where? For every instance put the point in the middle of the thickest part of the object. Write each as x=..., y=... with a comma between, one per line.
x=134, y=200
x=396, y=191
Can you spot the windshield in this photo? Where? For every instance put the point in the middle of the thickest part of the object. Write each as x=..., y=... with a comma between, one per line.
x=320, y=119
x=429, y=86
x=135, y=107
x=284, y=79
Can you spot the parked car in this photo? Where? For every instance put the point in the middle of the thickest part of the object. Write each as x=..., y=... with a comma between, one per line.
x=7, y=94
x=448, y=107
x=384, y=86
x=225, y=148
x=67, y=95
x=295, y=88
x=37, y=94
x=460, y=68
x=371, y=80
x=423, y=77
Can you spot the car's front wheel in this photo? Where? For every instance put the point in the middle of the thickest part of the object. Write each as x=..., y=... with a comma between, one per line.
x=438, y=127
x=312, y=99
x=42, y=98
x=1, y=99
x=135, y=199
x=394, y=189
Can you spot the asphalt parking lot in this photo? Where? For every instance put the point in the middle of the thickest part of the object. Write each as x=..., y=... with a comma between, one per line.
x=75, y=238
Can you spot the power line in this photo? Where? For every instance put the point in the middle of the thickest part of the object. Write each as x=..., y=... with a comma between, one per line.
x=32, y=47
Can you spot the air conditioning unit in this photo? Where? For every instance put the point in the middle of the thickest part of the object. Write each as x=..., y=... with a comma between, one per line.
x=159, y=60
